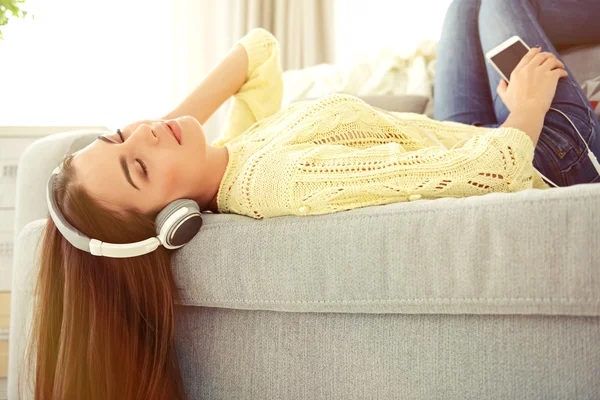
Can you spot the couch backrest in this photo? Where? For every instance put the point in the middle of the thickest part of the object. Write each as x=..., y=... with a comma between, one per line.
x=583, y=61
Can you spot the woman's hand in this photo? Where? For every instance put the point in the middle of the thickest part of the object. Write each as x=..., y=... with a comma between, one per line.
x=532, y=83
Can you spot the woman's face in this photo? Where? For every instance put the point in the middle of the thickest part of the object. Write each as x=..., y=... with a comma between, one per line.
x=113, y=172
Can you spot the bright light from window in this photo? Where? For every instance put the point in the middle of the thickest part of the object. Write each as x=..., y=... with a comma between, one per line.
x=363, y=27
x=86, y=63
x=83, y=62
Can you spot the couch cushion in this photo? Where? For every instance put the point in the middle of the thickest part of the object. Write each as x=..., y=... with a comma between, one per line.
x=583, y=61
x=530, y=252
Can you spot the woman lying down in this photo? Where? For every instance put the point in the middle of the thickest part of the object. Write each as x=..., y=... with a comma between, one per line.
x=106, y=294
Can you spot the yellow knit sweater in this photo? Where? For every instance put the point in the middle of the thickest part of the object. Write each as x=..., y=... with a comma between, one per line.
x=337, y=153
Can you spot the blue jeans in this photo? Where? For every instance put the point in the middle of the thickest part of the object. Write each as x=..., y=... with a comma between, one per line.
x=465, y=84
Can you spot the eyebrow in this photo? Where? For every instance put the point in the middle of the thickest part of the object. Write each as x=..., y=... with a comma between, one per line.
x=122, y=161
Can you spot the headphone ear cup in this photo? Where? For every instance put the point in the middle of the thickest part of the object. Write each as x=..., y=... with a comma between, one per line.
x=184, y=228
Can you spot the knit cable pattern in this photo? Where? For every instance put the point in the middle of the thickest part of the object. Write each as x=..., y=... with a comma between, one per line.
x=338, y=153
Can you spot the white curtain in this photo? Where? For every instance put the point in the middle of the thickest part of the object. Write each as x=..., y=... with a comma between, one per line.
x=305, y=28
x=202, y=36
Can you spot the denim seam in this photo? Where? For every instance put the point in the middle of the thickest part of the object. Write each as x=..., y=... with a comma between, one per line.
x=572, y=142
x=536, y=6
x=547, y=155
x=581, y=159
x=565, y=172
x=590, y=115
x=576, y=144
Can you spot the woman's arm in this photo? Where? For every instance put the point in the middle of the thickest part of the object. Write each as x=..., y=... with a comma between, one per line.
x=251, y=73
x=532, y=87
x=262, y=94
x=224, y=80
x=529, y=122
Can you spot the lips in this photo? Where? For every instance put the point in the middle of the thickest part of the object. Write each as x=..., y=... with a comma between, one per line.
x=175, y=129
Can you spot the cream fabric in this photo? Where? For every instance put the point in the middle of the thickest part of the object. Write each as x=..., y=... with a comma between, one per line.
x=337, y=153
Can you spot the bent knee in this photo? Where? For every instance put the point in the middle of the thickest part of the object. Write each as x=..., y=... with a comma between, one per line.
x=461, y=7
x=510, y=4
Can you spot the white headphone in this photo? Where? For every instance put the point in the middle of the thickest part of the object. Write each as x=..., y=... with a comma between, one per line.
x=176, y=225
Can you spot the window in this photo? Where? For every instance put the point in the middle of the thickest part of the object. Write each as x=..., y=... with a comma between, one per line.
x=364, y=27
x=87, y=63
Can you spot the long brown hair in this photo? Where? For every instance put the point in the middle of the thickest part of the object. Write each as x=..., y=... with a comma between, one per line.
x=102, y=328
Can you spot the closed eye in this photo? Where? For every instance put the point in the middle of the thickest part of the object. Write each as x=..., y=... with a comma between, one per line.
x=144, y=168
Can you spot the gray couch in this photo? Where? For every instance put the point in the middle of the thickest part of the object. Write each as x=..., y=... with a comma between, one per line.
x=485, y=297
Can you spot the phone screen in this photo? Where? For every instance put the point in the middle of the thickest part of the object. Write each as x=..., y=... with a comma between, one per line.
x=508, y=58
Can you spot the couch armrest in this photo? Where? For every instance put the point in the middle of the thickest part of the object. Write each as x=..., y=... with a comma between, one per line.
x=35, y=166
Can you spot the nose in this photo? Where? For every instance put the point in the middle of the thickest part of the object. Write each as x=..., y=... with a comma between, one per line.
x=160, y=129
x=145, y=133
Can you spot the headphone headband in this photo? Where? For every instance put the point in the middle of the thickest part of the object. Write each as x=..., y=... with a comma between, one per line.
x=176, y=225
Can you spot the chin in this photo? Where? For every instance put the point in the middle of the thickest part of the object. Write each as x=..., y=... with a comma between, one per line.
x=191, y=128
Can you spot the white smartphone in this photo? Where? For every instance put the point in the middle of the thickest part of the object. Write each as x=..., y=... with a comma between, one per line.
x=505, y=57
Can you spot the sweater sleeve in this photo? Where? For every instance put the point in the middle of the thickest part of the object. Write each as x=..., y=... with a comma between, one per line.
x=339, y=178
x=262, y=93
